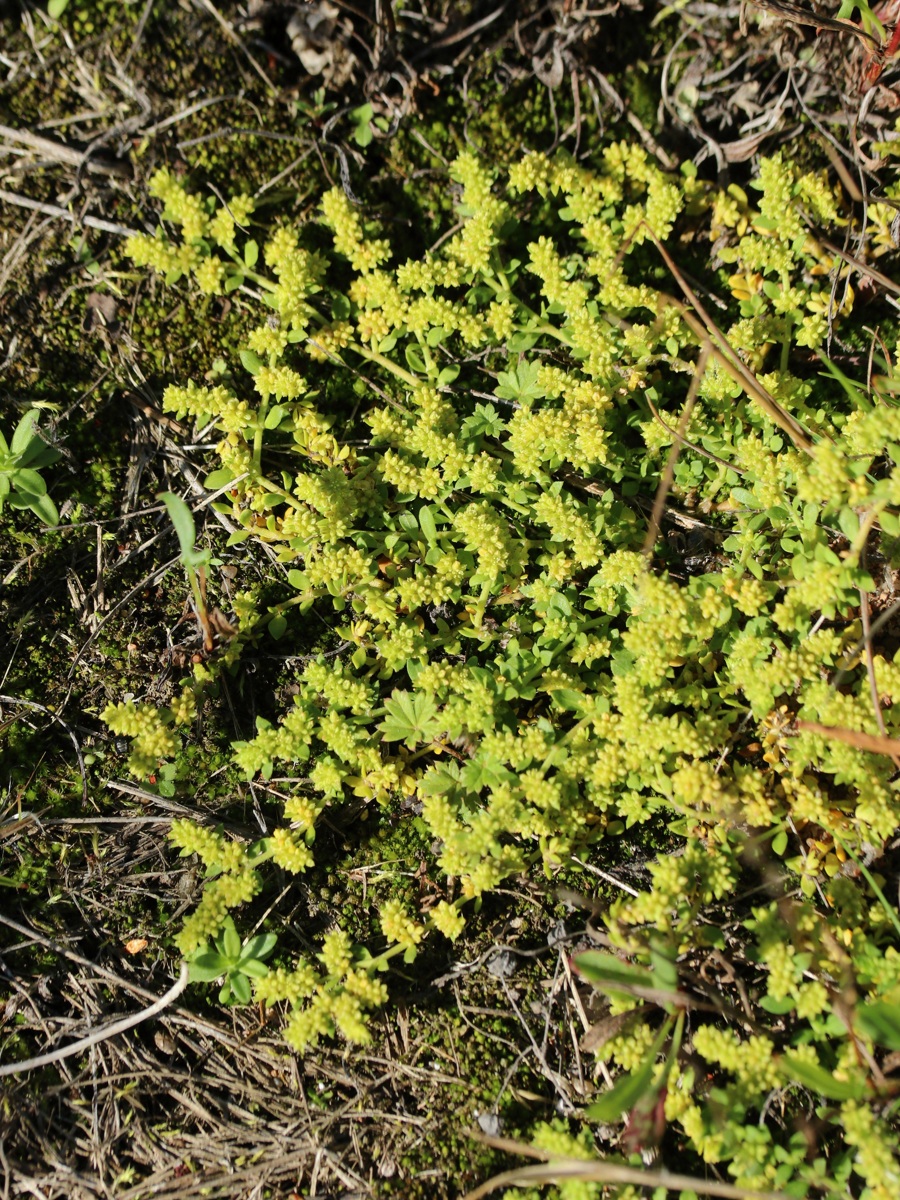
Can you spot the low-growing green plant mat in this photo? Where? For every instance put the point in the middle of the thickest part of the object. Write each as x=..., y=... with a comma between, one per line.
x=460, y=483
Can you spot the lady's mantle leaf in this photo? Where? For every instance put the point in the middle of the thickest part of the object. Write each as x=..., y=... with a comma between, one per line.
x=410, y=719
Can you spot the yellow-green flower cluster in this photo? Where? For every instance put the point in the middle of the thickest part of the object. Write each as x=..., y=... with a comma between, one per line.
x=397, y=926
x=486, y=533
x=555, y=1140
x=235, y=213
x=668, y=621
x=280, y=382
x=567, y=524
x=364, y=252
x=337, y=1001
x=281, y=984
x=196, y=401
x=777, y=187
x=290, y=851
x=327, y=341
x=155, y=251
x=298, y=272
x=337, y=687
x=302, y=812
x=484, y=214
x=877, y=1158
x=531, y=173
x=447, y=919
x=209, y=275
x=153, y=741
x=184, y=706
x=215, y=851
x=476, y=852
x=342, y=1007
x=268, y=340
x=336, y=955
x=287, y=743
x=306, y=1025
x=327, y=777
x=681, y=885
x=348, y=1015
x=182, y=207
x=631, y=1048
x=220, y=895
x=752, y=1062
x=191, y=213
x=559, y=686
x=370, y=991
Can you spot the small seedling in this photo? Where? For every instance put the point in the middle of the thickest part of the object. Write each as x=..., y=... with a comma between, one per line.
x=194, y=561
x=364, y=123
x=21, y=460
x=238, y=962
x=316, y=108
x=84, y=256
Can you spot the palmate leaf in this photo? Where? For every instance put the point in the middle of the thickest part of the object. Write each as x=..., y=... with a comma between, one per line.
x=520, y=384
x=485, y=421
x=484, y=771
x=410, y=718
x=439, y=780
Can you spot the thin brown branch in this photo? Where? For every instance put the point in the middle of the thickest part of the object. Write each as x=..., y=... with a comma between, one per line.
x=803, y=16
x=870, y=668
x=691, y=445
x=870, y=742
x=61, y=153
x=863, y=268
x=559, y=1170
x=728, y=358
x=668, y=474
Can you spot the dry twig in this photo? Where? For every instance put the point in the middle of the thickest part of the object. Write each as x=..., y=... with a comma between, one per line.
x=102, y=1034
x=560, y=1169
